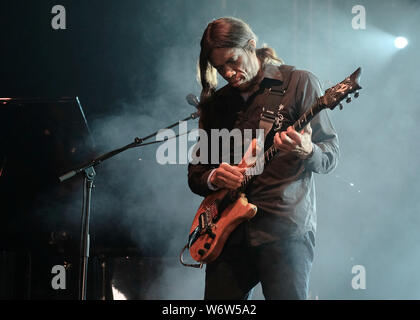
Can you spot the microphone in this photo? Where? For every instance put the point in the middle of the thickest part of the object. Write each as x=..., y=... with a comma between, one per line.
x=192, y=100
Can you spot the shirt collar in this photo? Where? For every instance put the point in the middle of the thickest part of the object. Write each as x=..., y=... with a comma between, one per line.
x=272, y=71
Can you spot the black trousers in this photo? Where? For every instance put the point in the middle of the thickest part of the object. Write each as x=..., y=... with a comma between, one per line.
x=282, y=266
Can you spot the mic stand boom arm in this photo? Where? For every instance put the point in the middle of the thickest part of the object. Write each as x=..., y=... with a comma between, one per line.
x=137, y=143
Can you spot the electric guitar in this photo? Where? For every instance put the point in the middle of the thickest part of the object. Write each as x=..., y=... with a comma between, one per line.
x=223, y=210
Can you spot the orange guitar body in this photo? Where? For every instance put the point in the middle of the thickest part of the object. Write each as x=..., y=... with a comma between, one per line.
x=218, y=215
x=213, y=235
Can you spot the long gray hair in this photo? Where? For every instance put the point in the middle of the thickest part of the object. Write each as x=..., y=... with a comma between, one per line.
x=226, y=32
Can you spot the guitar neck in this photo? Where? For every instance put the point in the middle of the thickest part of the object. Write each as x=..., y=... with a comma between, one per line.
x=270, y=153
x=308, y=116
x=332, y=97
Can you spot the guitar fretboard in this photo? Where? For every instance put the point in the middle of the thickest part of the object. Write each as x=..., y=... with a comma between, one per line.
x=271, y=152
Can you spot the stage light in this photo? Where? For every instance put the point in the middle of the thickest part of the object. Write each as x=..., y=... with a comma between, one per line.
x=117, y=295
x=400, y=42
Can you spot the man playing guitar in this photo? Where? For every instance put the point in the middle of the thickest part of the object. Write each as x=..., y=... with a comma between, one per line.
x=276, y=246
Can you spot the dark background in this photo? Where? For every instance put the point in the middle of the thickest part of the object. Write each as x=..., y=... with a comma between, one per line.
x=131, y=63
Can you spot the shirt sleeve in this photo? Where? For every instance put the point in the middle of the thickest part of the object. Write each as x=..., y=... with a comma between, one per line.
x=209, y=184
x=324, y=158
x=198, y=179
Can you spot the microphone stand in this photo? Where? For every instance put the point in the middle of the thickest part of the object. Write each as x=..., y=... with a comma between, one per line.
x=89, y=175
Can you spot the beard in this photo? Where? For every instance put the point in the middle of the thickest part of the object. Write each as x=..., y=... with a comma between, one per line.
x=249, y=85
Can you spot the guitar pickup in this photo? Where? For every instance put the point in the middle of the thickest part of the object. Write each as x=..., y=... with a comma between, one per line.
x=268, y=114
x=203, y=220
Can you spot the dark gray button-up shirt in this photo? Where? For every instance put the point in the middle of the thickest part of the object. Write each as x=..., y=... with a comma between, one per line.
x=285, y=192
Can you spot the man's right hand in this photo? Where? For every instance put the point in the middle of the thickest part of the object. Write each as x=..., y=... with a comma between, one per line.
x=227, y=176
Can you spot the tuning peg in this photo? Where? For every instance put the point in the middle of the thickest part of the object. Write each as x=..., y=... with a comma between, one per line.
x=340, y=105
x=356, y=94
x=348, y=100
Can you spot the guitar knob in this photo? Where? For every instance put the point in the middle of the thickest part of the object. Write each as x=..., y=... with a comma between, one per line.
x=212, y=235
x=207, y=246
x=348, y=100
x=356, y=94
x=201, y=252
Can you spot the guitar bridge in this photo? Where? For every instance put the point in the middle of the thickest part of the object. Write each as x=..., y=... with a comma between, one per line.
x=205, y=225
x=194, y=236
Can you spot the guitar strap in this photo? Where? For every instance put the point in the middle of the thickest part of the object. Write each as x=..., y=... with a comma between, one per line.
x=272, y=98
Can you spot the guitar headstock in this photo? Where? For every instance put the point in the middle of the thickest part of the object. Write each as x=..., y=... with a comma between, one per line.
x=334, y=95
